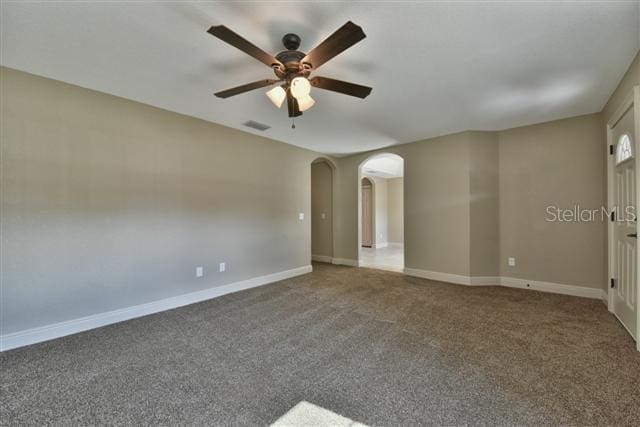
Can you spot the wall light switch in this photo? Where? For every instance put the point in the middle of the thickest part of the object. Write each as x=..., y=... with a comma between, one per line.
x=199, y=271
x=223, y=266
x=323, y=215
x=301, y=216
x=511, y=261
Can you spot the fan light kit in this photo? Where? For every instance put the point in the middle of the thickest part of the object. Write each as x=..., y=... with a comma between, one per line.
x=292, y=67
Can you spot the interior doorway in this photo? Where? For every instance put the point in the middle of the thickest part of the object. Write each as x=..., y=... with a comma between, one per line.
x=322, y=182
x=367, y=212
x=381, y=212
x=622, y=176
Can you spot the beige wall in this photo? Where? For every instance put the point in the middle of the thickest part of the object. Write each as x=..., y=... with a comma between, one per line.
x=109, y=203
x=484, y=204
x=436, y=215
x=321, y=209
x=474, y=198
x=395, y=209
x=624, y=88
x=557, y=163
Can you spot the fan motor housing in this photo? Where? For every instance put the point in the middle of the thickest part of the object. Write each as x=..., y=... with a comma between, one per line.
x=293, y=67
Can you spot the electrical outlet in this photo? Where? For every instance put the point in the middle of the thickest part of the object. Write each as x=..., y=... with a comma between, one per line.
x=199, y=271
x=301, y=216
x=223, y=266
x=511, y=261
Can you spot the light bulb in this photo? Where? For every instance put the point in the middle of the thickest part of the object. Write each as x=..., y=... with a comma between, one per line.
x=300, y=87
x=277, y=96
x=305, y=103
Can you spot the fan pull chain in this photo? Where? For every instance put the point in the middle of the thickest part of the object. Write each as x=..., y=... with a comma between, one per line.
x=293, y=123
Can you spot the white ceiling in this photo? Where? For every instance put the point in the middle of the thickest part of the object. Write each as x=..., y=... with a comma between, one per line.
x=384, y=166
x=435, y=68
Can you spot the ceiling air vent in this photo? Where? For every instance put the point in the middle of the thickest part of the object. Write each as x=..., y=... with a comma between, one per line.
x=255, y=125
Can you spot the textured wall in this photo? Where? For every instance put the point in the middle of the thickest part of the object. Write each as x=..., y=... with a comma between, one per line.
x=109, y=203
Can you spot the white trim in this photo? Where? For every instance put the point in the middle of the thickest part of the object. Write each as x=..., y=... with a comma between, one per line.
x=322, y=258
x=631, y=100
x=555, y=288
x=485, y=280
x=57, y=330
x=605, y=297
x=396, y=244
x=380, y=245
x=346, y=261
x=441, y=277
x=510, y=282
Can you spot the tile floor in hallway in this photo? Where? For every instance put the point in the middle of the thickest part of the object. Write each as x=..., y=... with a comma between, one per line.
x=387, y=258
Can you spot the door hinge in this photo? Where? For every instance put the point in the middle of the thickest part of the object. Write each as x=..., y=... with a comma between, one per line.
x=613, y=283
x=613, y=216
x=611, y=149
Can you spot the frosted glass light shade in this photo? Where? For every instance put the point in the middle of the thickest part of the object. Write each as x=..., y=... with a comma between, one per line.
x=277, y=95
x=300, y=88
x=305, y=103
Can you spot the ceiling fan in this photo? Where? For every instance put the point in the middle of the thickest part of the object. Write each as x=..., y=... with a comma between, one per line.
x=292, y=67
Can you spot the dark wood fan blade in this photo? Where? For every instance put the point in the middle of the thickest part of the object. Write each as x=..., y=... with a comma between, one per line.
x=292, y=104
x=246, y=88
x=340, y=86
x=235, y=40
x=345, y=37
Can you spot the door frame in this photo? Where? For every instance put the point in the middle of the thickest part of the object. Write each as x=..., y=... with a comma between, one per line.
x=373, y=211
x=632, y=100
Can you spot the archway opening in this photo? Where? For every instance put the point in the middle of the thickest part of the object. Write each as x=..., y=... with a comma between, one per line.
x=322, y=191
x=381, y=212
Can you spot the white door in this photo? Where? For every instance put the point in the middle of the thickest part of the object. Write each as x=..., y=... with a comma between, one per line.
x=624, y=262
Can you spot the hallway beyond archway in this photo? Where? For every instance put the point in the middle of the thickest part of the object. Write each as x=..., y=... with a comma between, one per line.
x=381, y=212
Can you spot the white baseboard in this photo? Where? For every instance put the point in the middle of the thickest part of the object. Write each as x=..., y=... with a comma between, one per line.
x=345, y=261
x=605, y=297
x=381, y=245
x=485, y=280
x=511, y=282
x=396, y=244
x=57, y=330
x=556, y=288
x=441, y=277
x=322, y=258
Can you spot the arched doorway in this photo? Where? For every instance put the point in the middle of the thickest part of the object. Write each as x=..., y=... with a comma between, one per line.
x=381, y=212
x=322, y=191
x=368, y=212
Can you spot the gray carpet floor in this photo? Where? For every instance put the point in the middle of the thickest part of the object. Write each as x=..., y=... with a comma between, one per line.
x=377, y=347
